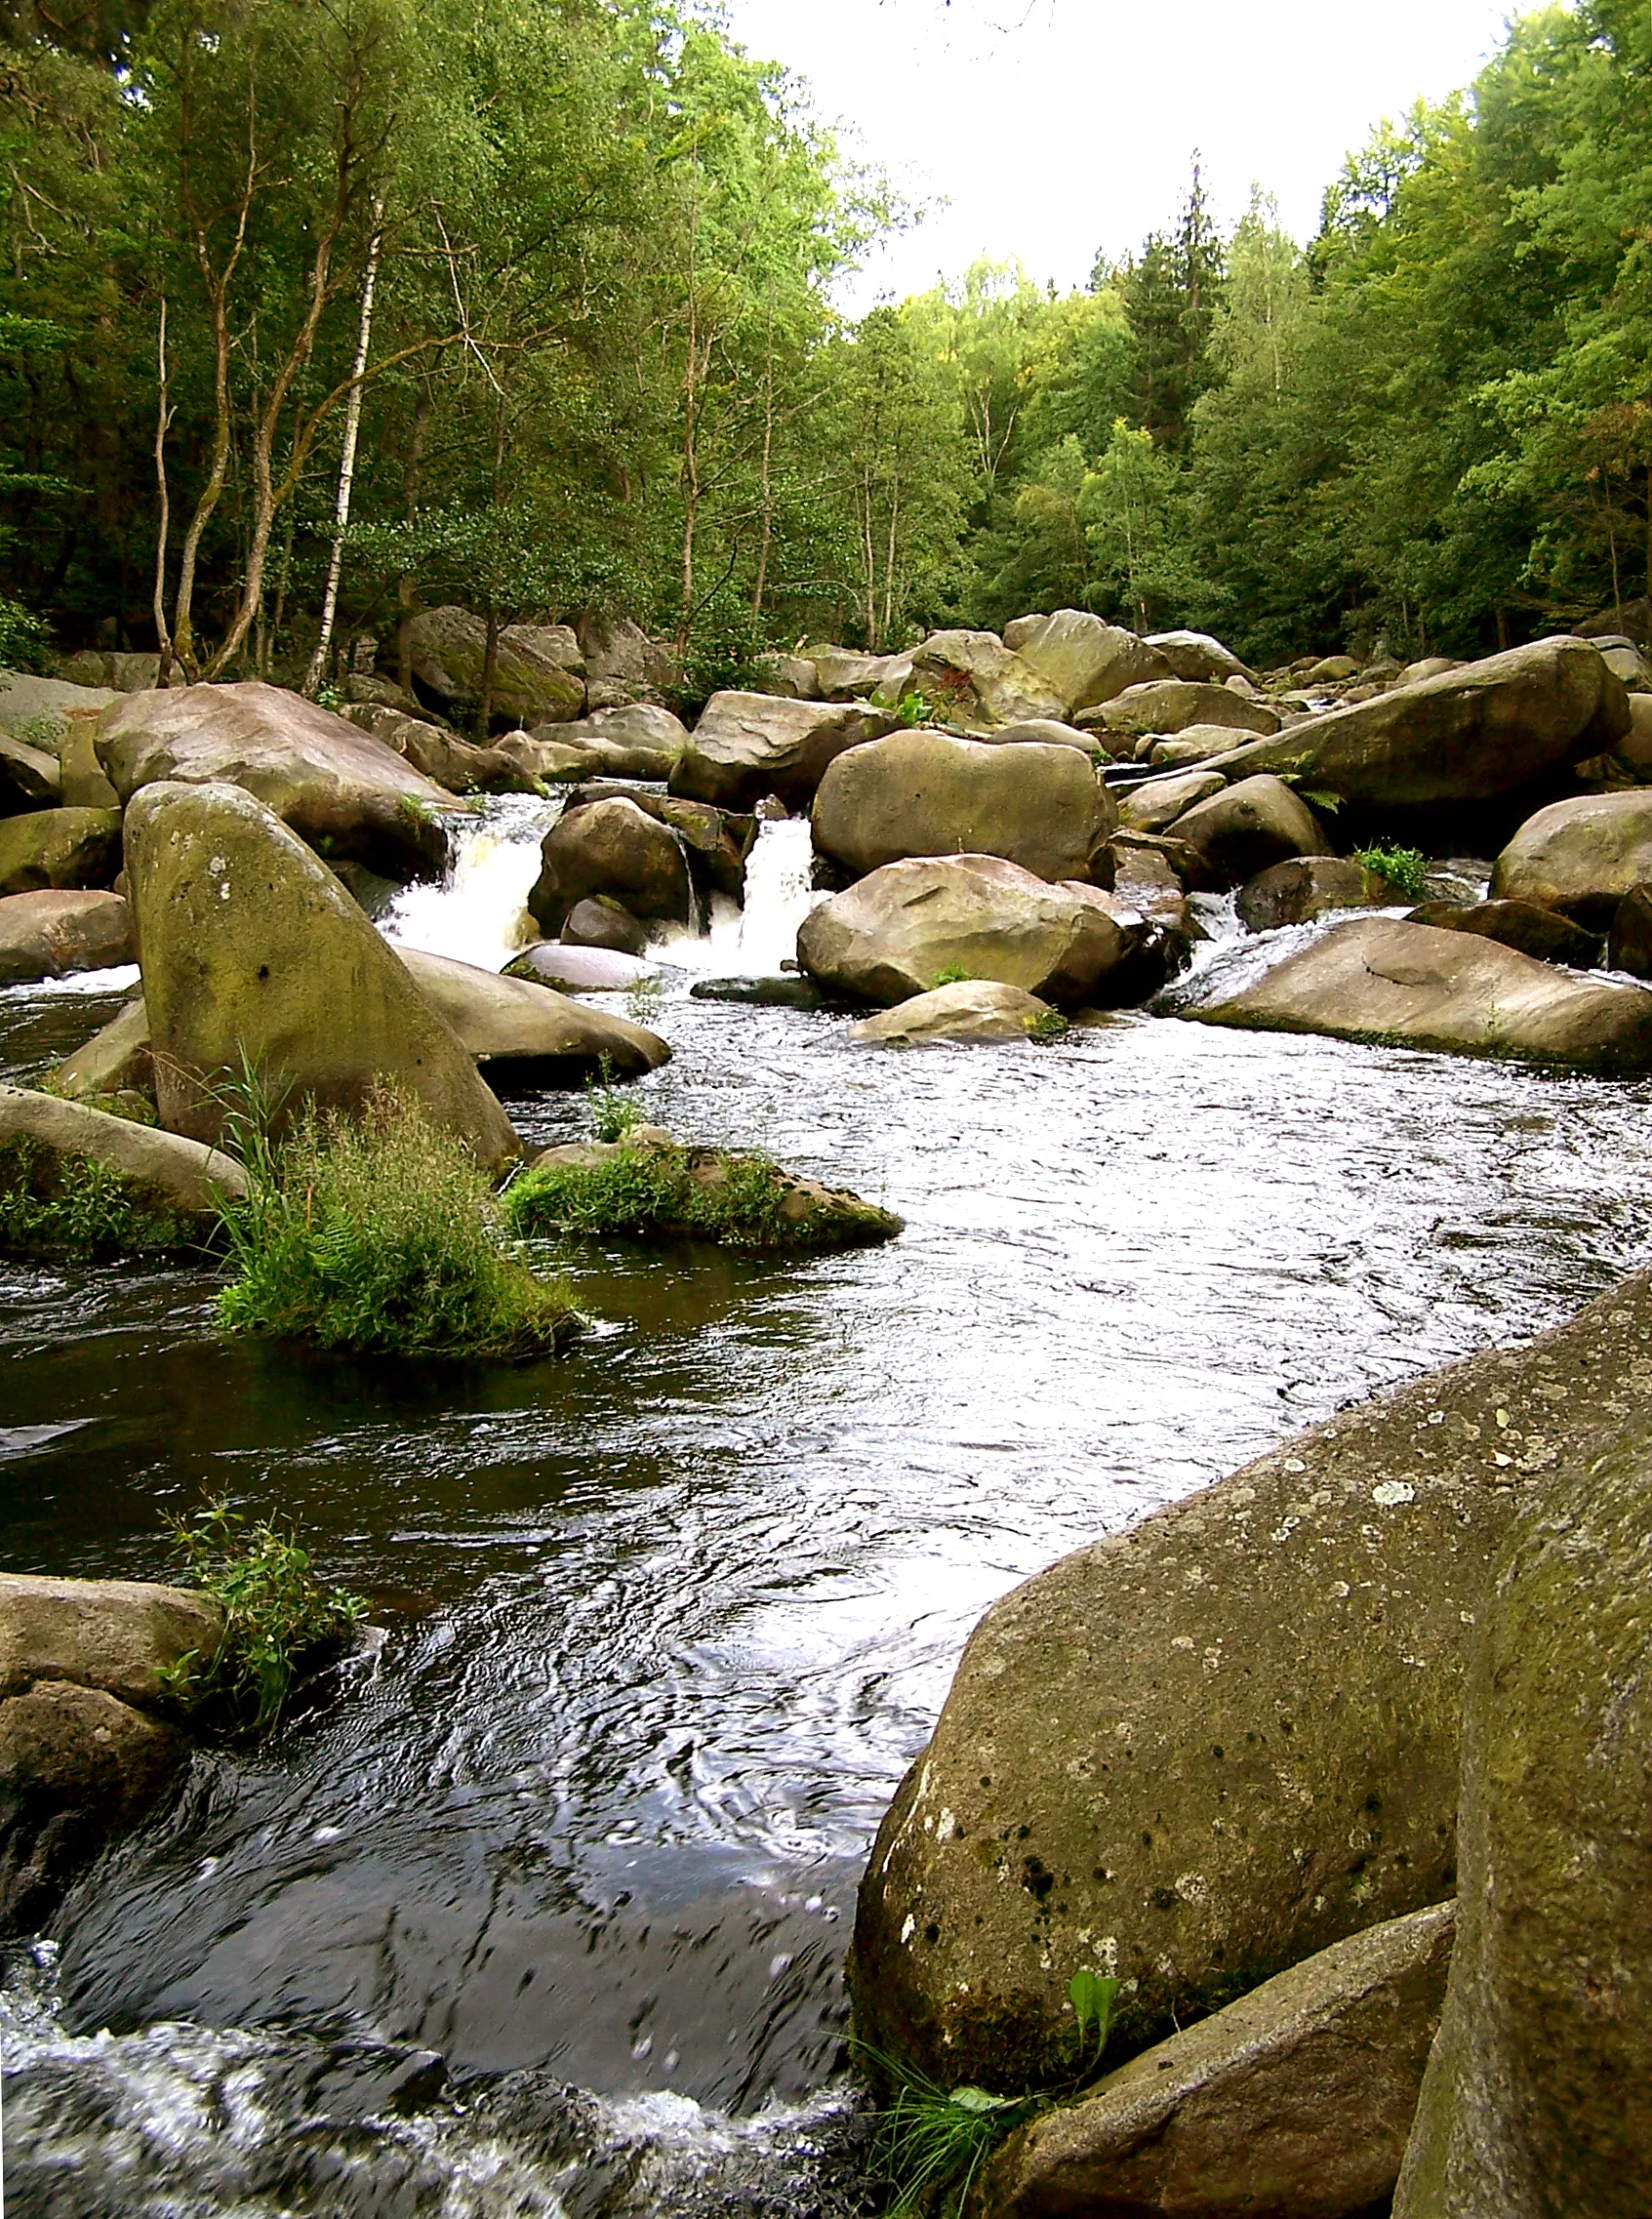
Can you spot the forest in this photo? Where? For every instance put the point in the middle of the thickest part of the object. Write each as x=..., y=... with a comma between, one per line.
x=316, y=312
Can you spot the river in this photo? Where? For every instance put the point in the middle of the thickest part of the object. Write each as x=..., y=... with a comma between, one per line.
x=664, y=1621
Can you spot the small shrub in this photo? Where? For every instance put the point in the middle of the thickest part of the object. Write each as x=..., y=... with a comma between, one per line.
x=277, y=1615
x=1404, y=869
x=932, y=2142
x=644, y=1190
x=615, y=1114
x=1050, y=1025
x=954, y=975
x=383, y=1236
x=330, y=697
x=912, y=709
x=642, y=1001
x=53, y=1204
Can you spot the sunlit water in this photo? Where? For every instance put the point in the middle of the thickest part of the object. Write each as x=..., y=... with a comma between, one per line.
x=666, y=1619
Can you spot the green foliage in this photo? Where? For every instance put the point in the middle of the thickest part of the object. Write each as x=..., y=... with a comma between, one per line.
x=953, y=974
x=277, y=1615
x=1093, y=1996
x=21, y=635
x=1049, y=1025
x=380, y=1235
x=932, y=2142
x=53, y=1204
x=1404, y=869
x=737, y=1201
x=913, y=709
x=615, y=1113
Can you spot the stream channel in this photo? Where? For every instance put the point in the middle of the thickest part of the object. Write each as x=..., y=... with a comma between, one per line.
x=665, y=1621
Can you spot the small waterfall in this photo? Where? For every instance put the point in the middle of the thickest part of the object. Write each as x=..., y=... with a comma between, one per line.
x=479, y=914
x=757, y=938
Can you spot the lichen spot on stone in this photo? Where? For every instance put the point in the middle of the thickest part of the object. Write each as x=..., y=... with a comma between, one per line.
x=946, y=1827
x=1389, y=1492
x=908, y=1928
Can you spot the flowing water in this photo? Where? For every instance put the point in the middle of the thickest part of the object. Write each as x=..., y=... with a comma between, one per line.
x=664, y=1622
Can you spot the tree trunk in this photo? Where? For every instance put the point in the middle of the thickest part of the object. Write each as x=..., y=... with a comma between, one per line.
x=347, y=459
x=407, y=585
x=489, y=664
x=163, y=418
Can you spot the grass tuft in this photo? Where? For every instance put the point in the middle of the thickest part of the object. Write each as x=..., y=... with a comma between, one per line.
x=56, y=1205
x=1404, y=869
x=653, y=1191
x=932, y=2142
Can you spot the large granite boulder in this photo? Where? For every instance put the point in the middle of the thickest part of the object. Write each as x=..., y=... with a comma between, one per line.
x=1293, y=2102
x=110, y=669
x=59, y=847
x=1158, y=802
x=121, y=1635
x=1580, y=857
x=50, y=935
x=526, y=1033
x=254, y=951
x=611, y=847
x=973, y=1011
x=1412, y=985
x=896, y=932
x=599, y=921
x=42, y=706
x=1543, y=933
x=341, y=790
x=1202, y=1750
x=1481, y=731
x=1301, y=888
x=1249, y=827
x=30, y=776
x=622, y=661
x=166, y=1174
x=927, y=793
x=1084, y=658
x=1539, y=2092
x=843, y=675
x=1196, y=656
x=82, y=781
x=575, y=970
x=636, y=740
x=1168, y=705
x=974, y=680
x=749, y=746
x=1629, y=946
x=539, y=672
x=455, y=765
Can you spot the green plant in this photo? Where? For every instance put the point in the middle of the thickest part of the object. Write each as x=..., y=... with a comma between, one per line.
x=1049, y=1025
x=615, y=1114
x=21, y=635
x=954, y=975
x=381, y=1236
x=932, y=2142
x=1406, y=869
x=914, y=709
x=52, y=1204
x=276, y=1615
x=330, y=697
x=1093, y=1996
x=642, y=1000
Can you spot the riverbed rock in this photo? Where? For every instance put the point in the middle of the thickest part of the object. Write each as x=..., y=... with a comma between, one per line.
x=1199, y=744
x=43, y=706
x=1084, y=658
x=792, y=676
x=1580, y=857
x=82, y=781
x=759, y=993
x=611, y=847
x=1543, y=933
x=341, y=790
x=59, y=847
x=1167, y=706
x=842, y=676
x=973, y=1010
x=974, y=680
x=579, y=970
x=29, y=777
x=107, y=668
x=1158, y=802
x=636, y=740
x=1199, y=658
x=748, y=745
x=928, y=793
x=1469, y=736
x=1044, y=729
x=1202, y=1750
x=117, y=1059
x=252, y=949
x=1629, y=947
x=622, y=661
x=601, y=921
x=169, y=1175
x=1411, y=986
x=1539, y=2097
x=121, y=1635
x=525, y=1034
x=538, y=674
x=812, y=1217
x=455, y=765
x=52, y=934
x=1296, y=2101
x=892, y=935
x=1249, y=827
x=1300, y=888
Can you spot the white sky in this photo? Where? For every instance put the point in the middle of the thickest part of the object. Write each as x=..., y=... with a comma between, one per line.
x=1053, y=127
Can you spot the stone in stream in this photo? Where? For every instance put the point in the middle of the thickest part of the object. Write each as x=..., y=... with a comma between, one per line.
x=1304, y=887
x=973, y=1010
x=457, y=765
x=1158, y=802
x=970, y=678
x=527, y=1033
x=340, y=788
x=1634, y=747
x=1197, y=657
x=1629, y=947
x=1539, y=2091
x=50, y=935
x=1204, y=1748
x=1295, y=2100
x=897, y=932
x=1580, y=857
x=82, y=781
x=539, y=672
x=1412, y=985
x=600, y=922
x=759, y=993
x=611, y=847
x=575, y=970
x=1167, y=706
x=1045, y=729
x=252, y=951
x=59, y=847
x=794, y=676
x=636, y=740
x=1543, y=933
x=931, y=793
x=1249, y=827
x=116, y=1060
x=1198, y=744
x=167, y=1177
x=1084, y=658
x=29, y=777
x=749, y=746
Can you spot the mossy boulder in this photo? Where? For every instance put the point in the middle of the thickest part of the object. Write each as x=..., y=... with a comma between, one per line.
x=1083, y=659
x=1580, y=857
x=1249, y=827
x=522, y=1032
x=538, y=670
x=976, y=681
x=59, y=847
x=455, y=765
x=1301, y=888
x=1200, y=1750
x=1168, y=705
x=74, y=1178
x=614, y=848
x=116, y=1060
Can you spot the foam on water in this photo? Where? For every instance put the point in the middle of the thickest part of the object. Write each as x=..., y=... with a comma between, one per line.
x=479, y=914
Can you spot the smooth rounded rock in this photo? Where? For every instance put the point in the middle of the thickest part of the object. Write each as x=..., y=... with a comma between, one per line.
x=970, y=678
x=59, y=848
x=1580, y=857
x=1249, y=827
x=53, y=934
x=168, y=1171
x=1543, y=933
x=611, y=847
x=1158, y=802
x=539, y=672
x=525, y=1033
x=1084, y=658
x=749, y=746
x=601, y=921
x=1300, y=888
x=576, y=970
x=971, y=1010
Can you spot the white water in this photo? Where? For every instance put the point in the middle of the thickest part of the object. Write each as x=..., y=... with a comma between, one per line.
x=778, y=894
x=480, y=913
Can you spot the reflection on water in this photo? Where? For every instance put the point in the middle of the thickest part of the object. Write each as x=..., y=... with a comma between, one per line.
x=668, y=1619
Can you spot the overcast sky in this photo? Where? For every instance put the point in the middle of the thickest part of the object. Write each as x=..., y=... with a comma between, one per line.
x=1055, y=127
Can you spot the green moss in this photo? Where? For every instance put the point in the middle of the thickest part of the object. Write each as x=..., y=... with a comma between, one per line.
x=676, y=1194
x=383, y=1236
x=53, y=1204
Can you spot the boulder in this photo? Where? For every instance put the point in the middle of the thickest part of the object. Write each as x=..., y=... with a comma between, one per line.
x=1580, y=857
x=443, y=757
x=715, y=841
x=973, y=679
x=758, y=992
x=928, y=793
x=82, y=781
x=611, y=847
x=1199, y=744
x=1249, y=827
x=811, y=1216
x=539, y=675
x=1543, y=933
x=794, y=676
x=170, y=1175
x=599, y=921
x=621, y=660
x=842, y=676
x=1197, y=657
x=1159, y=802
x=59, y=847
x=121, y=1635
x=747, y=745
x=1296, y=2100
x=1410, y=986
x=579, y=970
x=29, y=777
x=110, y=672
x=1203, y=1748
x=524, y=1034
x=1167, y=706
x=1331, y=671
x=1301, y=888
x=1634, y=746
x=252, y=949
x=116, y=1060
x=637, y=739
x=1471, y=735
x=1429, y=667
x=1629, y=947
x=1043, y=729
x=50, y=935
x=973, y=1010
x=42, y=706
x=1539, y=2094
x=895, y=932
x=1084, y=658
x=341, y=790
